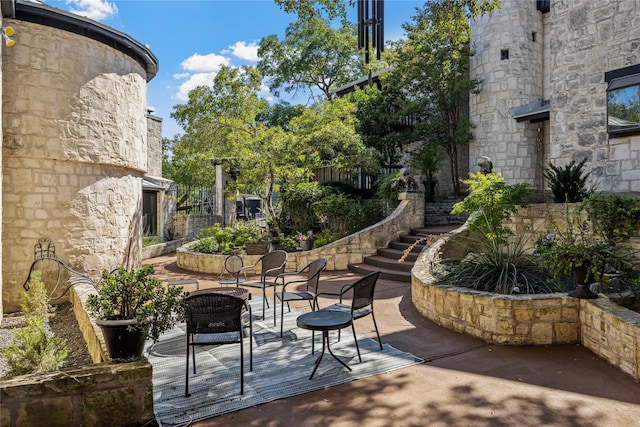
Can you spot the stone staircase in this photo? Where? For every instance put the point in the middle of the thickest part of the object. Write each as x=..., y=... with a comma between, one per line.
x=386, y=259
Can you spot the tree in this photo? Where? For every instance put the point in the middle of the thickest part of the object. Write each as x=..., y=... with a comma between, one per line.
x=382, y=122
x=312, y=56
x=432, y=69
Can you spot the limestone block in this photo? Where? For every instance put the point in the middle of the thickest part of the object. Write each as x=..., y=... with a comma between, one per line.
x=542, y=333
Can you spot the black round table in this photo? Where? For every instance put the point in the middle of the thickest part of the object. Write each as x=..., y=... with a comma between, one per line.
x=325, y=321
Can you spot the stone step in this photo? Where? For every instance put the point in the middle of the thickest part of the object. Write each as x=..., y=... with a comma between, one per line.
x=393, y=275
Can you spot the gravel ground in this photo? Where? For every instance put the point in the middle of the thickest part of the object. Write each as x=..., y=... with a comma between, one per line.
x=63, y=325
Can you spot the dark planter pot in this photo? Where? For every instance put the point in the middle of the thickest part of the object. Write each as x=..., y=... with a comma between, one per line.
x=123, y=345
x=582, y=290
x=429, y=190
x=306, y=245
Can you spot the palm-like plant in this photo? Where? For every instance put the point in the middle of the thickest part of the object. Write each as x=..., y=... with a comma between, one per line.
x=568, y=183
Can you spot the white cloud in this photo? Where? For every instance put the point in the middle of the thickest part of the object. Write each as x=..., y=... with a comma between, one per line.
x=198, y=79
x=204, y=63
x=93, y=9
x=180, y=76
x=242, y=50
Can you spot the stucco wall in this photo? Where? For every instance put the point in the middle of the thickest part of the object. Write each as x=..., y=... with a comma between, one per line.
x=75, y=147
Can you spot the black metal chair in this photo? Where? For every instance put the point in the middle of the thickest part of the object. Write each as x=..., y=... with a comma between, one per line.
x=271, y=265
x=233, y=266
x=361, y=304
x=215, y=318
x=313, y=270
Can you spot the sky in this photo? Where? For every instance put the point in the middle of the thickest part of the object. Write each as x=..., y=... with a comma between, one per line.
x=193, y=39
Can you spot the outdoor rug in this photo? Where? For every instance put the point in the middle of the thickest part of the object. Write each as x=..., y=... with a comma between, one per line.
x=281, y=368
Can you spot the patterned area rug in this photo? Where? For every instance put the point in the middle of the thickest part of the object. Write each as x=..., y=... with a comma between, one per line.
x=281, y=368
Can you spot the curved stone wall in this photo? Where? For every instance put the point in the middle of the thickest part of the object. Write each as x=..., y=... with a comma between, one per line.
x=75, y=148
x=349, y=250
x=499, y=319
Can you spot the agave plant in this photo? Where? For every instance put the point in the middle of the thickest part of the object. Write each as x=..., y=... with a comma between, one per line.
x=568, y=183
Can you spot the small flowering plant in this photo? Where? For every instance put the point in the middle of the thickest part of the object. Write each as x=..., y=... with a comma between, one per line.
x=303, y=237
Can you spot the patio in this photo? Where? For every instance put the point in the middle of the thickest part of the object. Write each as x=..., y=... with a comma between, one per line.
x=464, y=381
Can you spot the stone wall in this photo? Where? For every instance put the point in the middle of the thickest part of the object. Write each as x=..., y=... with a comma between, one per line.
x=575, y=44
x=154, y=146
x=188, y=227
x=589, y=39
x=339, y=254
x=609, y=330
x=613, y=333
x=75, y=148
x=498, y=319
x=507, y=83
x=97, y=395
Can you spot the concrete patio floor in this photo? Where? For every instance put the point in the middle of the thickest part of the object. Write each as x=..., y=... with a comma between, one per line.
x=464, y=381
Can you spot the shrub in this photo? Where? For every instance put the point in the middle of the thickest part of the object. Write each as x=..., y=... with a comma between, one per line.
x=32, y=351
x=568, y=184
x=35, y=302
x=504, y=268
x=297, y=206
x=493, y=202
x=615, y=218
x=387, y=189
x=226, y=240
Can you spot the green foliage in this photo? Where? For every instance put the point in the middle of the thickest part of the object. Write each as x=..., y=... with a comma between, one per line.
x=149, y=239
x=378, y=124
x=504, y=268
x=387, y=189
x=615, y=218
x=327, y=236
x=35, y=302
x=297, y=204
x=226, y=240
x=286, y=243
x=33, y=351
x=312, y=56
x=595, y=240
x=137, y=294
x=568, y=183
x=433, y=66
x=573, y=246
x=493, y=202
x=428, y=161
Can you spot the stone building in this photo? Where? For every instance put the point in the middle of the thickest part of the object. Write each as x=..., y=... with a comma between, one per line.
x=555, y=76
x=76, y=137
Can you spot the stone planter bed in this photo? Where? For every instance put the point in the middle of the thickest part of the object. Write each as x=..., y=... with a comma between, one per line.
x=609, y=330
x=99, y=394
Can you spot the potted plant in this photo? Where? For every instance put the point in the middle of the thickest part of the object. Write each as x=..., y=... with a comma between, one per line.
x=131, y=307
x=428, y=161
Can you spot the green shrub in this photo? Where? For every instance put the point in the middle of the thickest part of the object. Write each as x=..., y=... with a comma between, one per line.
x=297, y=206
x=505, y=268
x=493, y=202
x=32, y=351
x=387, y=189
x=35, y=302
x=568, y=184
x=226, y=240
x=615, y=218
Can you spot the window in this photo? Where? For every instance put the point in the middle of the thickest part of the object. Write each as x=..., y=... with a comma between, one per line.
x=623, y=101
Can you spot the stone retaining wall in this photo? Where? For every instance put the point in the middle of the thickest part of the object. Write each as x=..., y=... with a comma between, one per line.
x=103, y=394
x=349, y=250
x=96, y=395
x=611, y=331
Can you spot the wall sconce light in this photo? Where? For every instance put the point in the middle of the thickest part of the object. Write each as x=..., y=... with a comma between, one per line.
x=7, y=32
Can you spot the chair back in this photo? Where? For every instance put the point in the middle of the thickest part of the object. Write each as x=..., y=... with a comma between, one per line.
x=313, y=274
x=273, y=263
x=363, y=290
x=213, y=313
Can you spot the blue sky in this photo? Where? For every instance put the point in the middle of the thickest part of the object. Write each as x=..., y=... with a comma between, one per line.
x=193, y=39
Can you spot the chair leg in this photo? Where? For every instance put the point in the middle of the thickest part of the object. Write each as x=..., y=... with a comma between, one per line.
x=281, y=318
x=356, y=341
x=186, y=376
x=241, y=363
x=376, y=326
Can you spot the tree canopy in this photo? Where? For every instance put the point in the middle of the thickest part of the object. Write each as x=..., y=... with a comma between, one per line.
x=312, y=56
